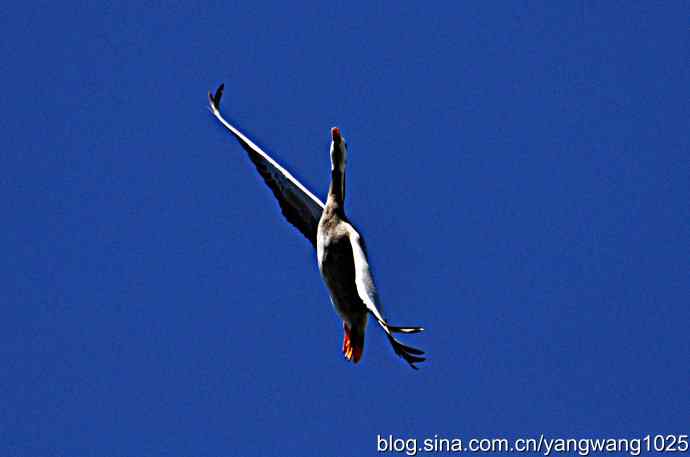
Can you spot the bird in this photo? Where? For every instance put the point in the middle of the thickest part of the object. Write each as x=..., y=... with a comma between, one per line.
x=341, y=252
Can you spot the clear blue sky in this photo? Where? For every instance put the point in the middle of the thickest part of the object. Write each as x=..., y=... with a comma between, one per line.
x=520, y=172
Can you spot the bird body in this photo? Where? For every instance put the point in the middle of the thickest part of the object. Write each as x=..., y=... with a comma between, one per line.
x=337, y=267
x=341, y=253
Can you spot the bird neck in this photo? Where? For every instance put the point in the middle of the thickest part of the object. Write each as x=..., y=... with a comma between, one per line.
x=336, y=191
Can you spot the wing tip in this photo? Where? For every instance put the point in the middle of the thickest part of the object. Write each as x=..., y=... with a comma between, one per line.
x=409, y=354
x=214, y=99
x=398, y=329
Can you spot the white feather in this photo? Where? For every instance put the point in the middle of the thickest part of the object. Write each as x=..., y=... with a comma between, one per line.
x=364, y=280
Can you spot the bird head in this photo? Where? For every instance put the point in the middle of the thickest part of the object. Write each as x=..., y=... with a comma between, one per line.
x=338, y=150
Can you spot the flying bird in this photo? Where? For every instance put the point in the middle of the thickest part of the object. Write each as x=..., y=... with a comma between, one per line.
x=340, y=249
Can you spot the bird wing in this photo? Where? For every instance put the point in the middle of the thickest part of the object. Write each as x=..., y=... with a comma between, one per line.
x=367, y=293
x=299, y=206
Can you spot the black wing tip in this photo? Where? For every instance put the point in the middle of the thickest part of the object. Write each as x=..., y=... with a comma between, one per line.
x=411, y=360
x=214, y=99
x=412, y=350
x=410, y=354
x=399, y=329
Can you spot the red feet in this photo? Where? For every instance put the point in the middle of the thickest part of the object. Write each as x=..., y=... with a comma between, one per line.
x=352, y=350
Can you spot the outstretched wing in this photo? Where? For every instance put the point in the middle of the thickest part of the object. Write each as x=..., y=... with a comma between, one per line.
x=299, y=206
x=367, y=293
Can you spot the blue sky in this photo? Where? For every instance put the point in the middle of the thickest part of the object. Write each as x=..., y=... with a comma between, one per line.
x=520, y=173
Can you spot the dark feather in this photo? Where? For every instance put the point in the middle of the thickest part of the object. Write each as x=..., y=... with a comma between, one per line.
x=219, y=94
x=291, y=206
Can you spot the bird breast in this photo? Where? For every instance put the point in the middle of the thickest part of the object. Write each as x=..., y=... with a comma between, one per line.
x=337, y=267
